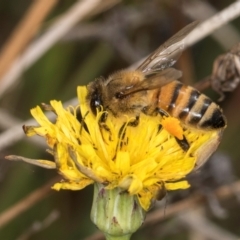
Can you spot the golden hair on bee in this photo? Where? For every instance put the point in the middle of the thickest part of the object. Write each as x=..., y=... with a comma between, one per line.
x=128, y=77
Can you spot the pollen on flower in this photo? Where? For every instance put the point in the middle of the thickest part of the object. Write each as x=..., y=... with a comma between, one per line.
x=140, y=159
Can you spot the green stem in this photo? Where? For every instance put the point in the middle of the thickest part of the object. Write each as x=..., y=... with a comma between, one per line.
x=124, y=237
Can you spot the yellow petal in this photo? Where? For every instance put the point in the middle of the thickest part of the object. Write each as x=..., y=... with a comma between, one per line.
x=72, y=185
x=177, y=185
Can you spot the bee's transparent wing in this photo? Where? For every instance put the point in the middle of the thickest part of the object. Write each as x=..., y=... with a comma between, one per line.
x=154, y=81
x=168, y=53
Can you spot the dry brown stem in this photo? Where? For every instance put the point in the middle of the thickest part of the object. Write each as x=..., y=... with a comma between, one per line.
x=199, y=225
x=24, y=32
x=26, y=203
x=203, y=84
x=77, y=12
x=39, y=226
x=213, y=23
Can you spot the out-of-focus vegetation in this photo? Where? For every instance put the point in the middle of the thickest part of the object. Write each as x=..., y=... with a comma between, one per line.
x=106, y=42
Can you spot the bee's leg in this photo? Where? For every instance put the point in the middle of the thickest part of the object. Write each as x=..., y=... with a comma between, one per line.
x=103, y=117
x=102, y=123
x=159, y=128
x=162, y=192
x=183, y=143
x=134, y=123
x=81, y=119
x=154, y=112
x=122, y=132
x=162, y=112
x=121, y=135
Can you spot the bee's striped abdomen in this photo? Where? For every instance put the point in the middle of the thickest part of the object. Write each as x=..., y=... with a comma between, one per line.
x=190, y=106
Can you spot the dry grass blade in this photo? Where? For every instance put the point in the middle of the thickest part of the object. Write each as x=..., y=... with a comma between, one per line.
x=15, y=133
x=210, y=25
x=39, y=226
x=202, y=10
x=26, y=203
x=196, y=221
x=79, y=11
x=26, y=29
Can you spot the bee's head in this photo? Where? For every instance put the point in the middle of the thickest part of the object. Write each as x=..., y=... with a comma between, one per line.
x=95, y=95
x=111, y=95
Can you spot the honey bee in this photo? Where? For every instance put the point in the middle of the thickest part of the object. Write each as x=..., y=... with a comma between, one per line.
x=153, y=88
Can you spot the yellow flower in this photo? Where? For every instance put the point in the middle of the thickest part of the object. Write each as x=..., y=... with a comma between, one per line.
x=141, y=160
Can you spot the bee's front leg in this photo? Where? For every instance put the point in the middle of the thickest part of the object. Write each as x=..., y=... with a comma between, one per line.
x=135, y=122
x=81, y=119
x=102, y=123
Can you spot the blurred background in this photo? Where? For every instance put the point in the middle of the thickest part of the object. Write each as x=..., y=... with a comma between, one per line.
x=70, y=43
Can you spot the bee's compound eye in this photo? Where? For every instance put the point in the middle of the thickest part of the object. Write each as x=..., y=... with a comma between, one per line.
x=95, y=103
x=119, y=95
x=93, y=106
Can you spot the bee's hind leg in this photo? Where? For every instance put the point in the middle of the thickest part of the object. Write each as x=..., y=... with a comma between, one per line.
x=183, y=143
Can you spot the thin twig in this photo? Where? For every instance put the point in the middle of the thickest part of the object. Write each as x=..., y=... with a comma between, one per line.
x=210, y=25
x=108, y=33
x=27, y=202
x=195, y=220
x=115, y=26
x=26, y=29
x=203, y=84
x=15, y=133
x=79, y=11
x=38, y=226
x=202, y=10
x=7, y=121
